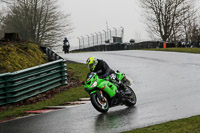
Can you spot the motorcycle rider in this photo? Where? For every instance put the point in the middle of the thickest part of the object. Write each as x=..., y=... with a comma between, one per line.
x=99, y=66
x=103, y=70
x=66, y=45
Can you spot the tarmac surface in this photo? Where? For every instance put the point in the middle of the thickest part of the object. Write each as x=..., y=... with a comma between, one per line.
x=167, y=85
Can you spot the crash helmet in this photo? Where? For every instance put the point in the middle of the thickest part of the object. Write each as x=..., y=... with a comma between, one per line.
x=92, y=63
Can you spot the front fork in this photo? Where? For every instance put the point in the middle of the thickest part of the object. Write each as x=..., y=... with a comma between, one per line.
x=100, y=95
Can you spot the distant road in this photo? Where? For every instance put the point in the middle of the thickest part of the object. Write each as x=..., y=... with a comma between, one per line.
x=167, y=85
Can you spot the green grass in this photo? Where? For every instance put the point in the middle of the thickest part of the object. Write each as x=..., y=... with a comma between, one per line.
x=59, y=99
x=185, y=50
x=187, y=125
x=80, y=71
x=14, y=57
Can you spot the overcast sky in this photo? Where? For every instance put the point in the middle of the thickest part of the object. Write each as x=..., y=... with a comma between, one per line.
x=89, y=16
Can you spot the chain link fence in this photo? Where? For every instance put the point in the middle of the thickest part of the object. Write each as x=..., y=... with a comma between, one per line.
x=101, y=38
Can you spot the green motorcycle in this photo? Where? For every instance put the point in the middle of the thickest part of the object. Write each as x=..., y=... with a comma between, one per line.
x=112, y=91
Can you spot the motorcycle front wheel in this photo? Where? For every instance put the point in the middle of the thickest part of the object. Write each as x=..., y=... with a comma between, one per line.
x=99, y=105
x=131, y=98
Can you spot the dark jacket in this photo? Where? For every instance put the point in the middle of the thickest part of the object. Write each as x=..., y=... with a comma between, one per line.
x=102, y=69
x=66, y=43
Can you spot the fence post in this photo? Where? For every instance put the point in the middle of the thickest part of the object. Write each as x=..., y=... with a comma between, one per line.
x=63, y=69
x=7, y=84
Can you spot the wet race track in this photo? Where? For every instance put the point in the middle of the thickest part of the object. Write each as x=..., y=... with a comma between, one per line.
x=167, y=85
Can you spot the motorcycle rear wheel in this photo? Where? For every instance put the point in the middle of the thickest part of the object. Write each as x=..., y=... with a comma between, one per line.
x=132, y=99
x=99, y=105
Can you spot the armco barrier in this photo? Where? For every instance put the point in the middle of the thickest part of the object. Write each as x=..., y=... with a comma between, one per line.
x=23, y=84
x=51, y=54
x=126, y=46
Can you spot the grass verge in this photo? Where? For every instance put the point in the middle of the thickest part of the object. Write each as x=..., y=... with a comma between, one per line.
x=15, y=57
x=79, y=72
x=185, y=50
x=187, y=125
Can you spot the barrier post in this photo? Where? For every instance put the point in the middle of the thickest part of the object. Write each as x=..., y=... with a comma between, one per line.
x=165, y=45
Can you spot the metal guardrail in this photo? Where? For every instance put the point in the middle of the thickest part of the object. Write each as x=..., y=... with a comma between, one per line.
x=51, y=54
x=17, y=86
x=126, y=46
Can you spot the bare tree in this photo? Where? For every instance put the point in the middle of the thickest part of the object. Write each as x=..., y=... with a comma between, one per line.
x=2, y=16
x=192, y=33
x=165, y=17
x=38, y=20
x=191, y=28
x=2, y=11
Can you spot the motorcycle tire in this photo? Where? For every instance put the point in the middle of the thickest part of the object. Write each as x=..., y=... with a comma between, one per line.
x=132, y=99
x=101, y=106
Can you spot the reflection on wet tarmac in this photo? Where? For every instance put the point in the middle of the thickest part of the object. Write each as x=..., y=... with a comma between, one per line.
x=115, y=119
